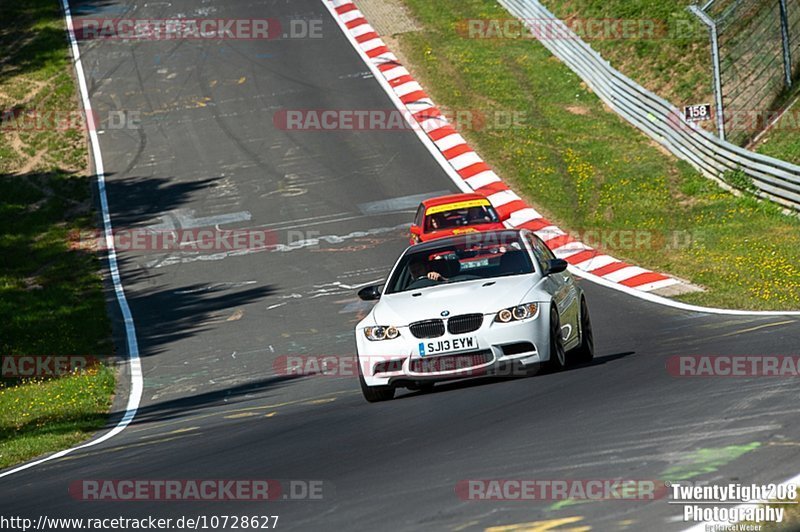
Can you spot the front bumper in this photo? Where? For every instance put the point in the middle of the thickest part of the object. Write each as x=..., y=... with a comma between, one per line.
x=398, y=361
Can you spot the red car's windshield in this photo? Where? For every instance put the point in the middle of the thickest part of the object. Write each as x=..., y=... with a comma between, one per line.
x=460, y=217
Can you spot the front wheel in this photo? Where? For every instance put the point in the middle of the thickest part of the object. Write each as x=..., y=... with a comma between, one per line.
x=584, y=353
x=558, y=357
x=374, y=394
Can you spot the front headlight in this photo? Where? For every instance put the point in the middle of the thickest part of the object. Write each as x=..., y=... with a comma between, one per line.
x=518, y=313
x=381, y=332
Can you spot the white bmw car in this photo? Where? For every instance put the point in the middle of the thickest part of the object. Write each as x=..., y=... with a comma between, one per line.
x=466, y=305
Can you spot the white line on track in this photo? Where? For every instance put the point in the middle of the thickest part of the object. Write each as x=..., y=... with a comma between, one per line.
x=134, y=363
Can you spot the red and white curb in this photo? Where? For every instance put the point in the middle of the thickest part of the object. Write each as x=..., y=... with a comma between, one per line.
x=473, y=171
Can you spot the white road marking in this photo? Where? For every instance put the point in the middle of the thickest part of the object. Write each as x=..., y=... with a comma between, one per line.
x=213, y=287
x=184, y=219
x=186, y=258
x=356, y=306
x=399, y=204
x=335, y=288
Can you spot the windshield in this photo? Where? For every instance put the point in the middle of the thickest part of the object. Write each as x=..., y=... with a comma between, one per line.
x=459, y=217
x=464, y=261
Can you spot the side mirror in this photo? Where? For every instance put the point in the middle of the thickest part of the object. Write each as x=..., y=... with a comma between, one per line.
x=556, y=266
x=416, y=230
x=370, y=293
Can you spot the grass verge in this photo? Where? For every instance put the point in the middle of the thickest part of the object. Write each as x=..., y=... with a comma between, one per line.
x=791, y=519
x=587, y=170
x=51, y=298
x=782, y=140
x=44, y=415
x=672, y=60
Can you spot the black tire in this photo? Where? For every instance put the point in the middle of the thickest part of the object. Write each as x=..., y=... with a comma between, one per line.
x=584, y=353
x=558, y=356
x=374, y=394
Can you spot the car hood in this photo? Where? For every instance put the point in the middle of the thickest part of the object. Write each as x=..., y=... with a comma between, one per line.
x=483, y=296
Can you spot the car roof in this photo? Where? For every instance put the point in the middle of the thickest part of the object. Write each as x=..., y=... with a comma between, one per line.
x=457, y=240
x=453, y=198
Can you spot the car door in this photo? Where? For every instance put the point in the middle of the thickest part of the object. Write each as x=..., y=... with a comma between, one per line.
x=563, y=289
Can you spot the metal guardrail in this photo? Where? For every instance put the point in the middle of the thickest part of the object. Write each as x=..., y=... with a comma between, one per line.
x=773, y=179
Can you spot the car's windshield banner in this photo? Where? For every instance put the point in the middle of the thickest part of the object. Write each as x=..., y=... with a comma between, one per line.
x=460, y=205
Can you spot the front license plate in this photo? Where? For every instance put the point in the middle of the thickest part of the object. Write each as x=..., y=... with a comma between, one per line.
x=450, y=345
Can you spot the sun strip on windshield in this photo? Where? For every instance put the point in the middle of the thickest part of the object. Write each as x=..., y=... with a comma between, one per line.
x=460, y=205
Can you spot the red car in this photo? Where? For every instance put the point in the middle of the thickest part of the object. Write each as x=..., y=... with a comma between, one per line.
x=453, y=215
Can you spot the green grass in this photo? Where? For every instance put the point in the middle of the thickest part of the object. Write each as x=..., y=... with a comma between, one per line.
x=783, y=140
x=674, y=62
x=791, y=519
x=51, y=298
x=586, y=169
x=39, y=416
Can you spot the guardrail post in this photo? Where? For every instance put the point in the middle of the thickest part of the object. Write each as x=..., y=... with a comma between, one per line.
x=787, y=52
x=712, y=27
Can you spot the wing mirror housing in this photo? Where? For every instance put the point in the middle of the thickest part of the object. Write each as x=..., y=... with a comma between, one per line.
x=556, y=266
x=371, y=293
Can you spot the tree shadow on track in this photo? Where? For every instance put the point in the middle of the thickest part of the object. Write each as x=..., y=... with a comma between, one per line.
x=164, y=312
x=139, y=201
x=167, y=316
x=178, y=408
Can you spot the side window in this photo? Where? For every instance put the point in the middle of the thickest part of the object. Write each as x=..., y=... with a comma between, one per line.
x=418, y=216
x=546, y=250
x=540, y=251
